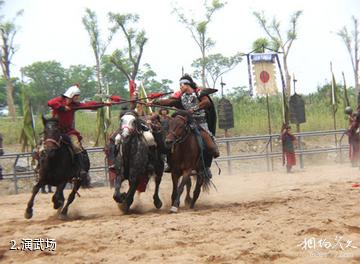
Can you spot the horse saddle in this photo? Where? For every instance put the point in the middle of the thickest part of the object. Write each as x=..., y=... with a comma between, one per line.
x=149, y=138
x=67, y=142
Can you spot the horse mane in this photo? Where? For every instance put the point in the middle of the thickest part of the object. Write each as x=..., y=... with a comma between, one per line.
x=127, y=112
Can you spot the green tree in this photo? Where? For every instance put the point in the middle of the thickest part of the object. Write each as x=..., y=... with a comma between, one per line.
x=46, y=80
x=115, y=81
x=151, y=84
x=8, y=30
x=128, y=59
x=260, y=44
x=85, y=76
x=284, y=43
x=216, y=65
x=99, y=47
x=199, y=31
x=17, y=87
x=352, y=42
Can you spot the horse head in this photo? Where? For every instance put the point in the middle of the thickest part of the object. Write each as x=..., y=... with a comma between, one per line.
x=179, y=127
x=52, y=135
x=129, y=124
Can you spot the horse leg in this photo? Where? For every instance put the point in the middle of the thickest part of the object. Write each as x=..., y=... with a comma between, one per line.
x=129, y=196
x=157, y=201
x=180, y=190
x=199, y=182
x=35, y=190
x=117, y=196
x=58, y=197
x=188, y=197
x=175, y=180
x=70, y=199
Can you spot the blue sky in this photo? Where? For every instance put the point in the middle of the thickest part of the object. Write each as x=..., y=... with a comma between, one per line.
x=52, y=30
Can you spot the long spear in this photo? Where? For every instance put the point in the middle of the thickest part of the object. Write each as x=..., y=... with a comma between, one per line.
x=347, y=101
x=115, y=100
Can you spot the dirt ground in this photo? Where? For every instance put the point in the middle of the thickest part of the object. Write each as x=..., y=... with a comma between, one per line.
x=310, y=216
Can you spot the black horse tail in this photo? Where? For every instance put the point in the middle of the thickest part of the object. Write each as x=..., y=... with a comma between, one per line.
x=207, y=184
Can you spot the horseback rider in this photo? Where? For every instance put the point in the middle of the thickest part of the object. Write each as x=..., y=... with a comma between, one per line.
x=202, y=109
x=353, y=134
x=63, y=108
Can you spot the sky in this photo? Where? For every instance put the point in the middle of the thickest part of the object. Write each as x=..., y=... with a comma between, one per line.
x=53, y=30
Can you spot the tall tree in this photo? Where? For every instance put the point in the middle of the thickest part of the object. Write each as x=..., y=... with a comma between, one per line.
x=198, y=30
x=151, y=84
x=260, y=44
x=352, y=42
x=216, y=65
x=85, y=76
x=16, y=93
x=115, y=81
x=8, y=30
x=128, y=59
x=99, y=47
x=45, y=80
x=284, y=43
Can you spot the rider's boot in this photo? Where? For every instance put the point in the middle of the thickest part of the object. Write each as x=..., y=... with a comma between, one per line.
x=82, y=163
x=210, y=144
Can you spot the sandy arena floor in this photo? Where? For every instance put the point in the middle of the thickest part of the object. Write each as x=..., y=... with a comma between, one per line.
x=268, y=217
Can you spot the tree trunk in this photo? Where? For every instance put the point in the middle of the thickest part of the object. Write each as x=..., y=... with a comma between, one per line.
x=287, y=79
x=356, y=56
x=98, y=75
x=356, y=74
x=203, y=69
x=9, y=98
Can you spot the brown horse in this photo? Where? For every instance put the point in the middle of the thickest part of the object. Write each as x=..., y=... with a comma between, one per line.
x=184, y=159
x=56, y=168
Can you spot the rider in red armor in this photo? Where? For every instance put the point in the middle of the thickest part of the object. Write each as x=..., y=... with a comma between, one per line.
x=63, y=108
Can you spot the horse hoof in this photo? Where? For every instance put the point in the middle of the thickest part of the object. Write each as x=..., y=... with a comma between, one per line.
x=62, y=216
x=158, y=204
x=173, y=209
x=124, y=208
x=119, y=198
x=188, y=202
x=28, y=215
x=58, y=205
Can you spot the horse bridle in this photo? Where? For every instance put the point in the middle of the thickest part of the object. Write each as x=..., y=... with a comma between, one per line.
x=181, y=138
x=51, y=140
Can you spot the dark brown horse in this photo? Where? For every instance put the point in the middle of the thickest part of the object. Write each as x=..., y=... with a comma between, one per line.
x=56, y=168
x=137, y=159
x=184, y=159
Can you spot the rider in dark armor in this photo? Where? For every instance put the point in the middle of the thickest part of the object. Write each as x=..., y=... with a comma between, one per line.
x=197, y=102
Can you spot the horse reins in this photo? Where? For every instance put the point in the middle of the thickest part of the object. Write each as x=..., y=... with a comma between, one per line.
x=57, y=143
x=181, y=139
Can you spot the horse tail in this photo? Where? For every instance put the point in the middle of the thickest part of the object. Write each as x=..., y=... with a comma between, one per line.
x=207, y=184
